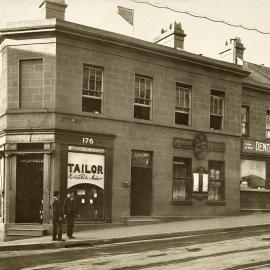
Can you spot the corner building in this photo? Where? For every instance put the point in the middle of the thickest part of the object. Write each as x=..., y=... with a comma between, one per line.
x=136, y=128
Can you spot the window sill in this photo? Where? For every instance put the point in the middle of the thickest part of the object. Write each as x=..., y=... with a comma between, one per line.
x=28, y=110
x=216, y=202
x=200, y=196
x=178, y=202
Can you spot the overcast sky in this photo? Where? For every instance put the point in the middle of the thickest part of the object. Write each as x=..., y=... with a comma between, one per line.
x=203, y=37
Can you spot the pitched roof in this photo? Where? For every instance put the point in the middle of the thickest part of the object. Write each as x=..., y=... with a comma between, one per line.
x=259, y=74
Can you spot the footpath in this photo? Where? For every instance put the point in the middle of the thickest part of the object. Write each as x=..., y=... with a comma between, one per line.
x=123, y=233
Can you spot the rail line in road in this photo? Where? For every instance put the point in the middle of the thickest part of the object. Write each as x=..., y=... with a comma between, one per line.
x=171, y=253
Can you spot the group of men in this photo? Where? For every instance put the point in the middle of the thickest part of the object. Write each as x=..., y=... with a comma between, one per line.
x=69, y=212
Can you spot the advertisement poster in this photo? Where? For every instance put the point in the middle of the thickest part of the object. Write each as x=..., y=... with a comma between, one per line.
x=85, y=168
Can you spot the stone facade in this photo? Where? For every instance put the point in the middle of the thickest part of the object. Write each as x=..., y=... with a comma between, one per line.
x=52, y=59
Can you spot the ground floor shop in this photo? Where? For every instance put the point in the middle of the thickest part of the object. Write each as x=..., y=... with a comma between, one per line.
x=255, y=175
x=193, y=175
x=35, y=164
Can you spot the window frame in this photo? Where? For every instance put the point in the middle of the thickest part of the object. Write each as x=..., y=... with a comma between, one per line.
x=217, y=97
x=245, y=124
x=267, y=125
x=187, y=179
x=98, y=94
x=144, y=98
x=213, y=178
x=186, y=108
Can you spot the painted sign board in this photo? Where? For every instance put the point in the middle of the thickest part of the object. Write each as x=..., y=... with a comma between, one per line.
x=85, y=168
x=255, y=147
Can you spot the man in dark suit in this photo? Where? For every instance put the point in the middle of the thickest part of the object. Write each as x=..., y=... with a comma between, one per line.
x=56, y=217
x=70, y=212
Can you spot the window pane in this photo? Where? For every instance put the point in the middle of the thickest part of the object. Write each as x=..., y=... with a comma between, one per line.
x=92, y=87
x=179, y=190
x=220, y=106
x=143, y=97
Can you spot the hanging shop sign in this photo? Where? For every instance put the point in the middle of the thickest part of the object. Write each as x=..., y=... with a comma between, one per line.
x=255, y=147
x=85, y=168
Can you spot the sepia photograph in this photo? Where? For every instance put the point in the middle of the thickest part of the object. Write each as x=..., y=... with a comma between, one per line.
x=134, y=135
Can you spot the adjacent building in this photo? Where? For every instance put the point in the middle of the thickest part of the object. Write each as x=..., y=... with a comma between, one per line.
x=136, y=128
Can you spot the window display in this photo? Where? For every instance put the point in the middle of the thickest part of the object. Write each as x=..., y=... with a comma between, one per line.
x=253, y=174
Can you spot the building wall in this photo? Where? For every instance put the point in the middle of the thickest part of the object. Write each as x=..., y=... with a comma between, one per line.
x=120, y=66
x=259, y=103
x=61, y=108
x=37, y=80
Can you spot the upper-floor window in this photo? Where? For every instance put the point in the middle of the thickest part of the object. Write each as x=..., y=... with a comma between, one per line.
x=182, y=105
x=216, y=110
x=143, y=97
x=267, y=124
x=92, y=89
x=245, y=121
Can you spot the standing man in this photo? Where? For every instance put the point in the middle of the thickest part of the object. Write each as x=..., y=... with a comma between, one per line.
x=56, y=217
x=70, y=212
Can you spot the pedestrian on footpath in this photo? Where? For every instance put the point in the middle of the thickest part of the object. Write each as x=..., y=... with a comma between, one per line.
x=56, y=217
x=70, y=212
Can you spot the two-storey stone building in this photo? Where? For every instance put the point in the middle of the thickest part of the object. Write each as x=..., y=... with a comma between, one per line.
x=136, y=128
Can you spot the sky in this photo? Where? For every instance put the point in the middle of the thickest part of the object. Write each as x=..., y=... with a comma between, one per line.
x=203, y=37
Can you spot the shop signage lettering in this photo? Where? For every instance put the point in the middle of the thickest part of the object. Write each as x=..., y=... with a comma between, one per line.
x=27, y=138
x=259, y=147
x=86, y=149
x=85, y=168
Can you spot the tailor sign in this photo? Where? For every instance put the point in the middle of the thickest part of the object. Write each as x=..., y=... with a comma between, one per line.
x=85, y=168
x=256, y=147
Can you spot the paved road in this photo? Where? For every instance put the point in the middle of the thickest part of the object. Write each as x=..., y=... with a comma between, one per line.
x=230, y=251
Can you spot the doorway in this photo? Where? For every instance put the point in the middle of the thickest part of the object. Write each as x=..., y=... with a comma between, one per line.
x=90, y=202
x=141, y=184
x=29, y=188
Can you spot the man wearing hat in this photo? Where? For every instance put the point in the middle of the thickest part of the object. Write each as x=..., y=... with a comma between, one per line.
x=70, y=212
x=56, y=217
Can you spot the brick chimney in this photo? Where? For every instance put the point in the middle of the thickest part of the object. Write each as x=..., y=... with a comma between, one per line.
x=233, y=52
x=238, y=51
x=53, y=9
x=174, y=37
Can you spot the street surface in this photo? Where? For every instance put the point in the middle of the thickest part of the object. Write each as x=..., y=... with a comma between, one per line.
x=229, y=250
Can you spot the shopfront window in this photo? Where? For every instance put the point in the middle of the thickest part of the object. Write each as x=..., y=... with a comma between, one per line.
x=181, y=179
x=85, y=175
x=216, y=180
x=253, y=174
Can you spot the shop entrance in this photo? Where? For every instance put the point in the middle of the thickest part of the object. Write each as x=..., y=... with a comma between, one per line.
x=141, y=184
x=29, y=188
x=90, y=201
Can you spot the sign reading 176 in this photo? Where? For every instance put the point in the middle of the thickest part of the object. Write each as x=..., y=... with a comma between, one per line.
x=88, y=140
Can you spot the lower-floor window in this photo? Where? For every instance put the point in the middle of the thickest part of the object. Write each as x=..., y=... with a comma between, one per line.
x=253, y=174
x=181, y=179
x=216, y=184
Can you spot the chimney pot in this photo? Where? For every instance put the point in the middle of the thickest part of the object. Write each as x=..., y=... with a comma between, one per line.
x=174, y=37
